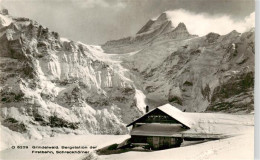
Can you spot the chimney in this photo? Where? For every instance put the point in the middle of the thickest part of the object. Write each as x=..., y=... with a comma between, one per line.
x=147, y=109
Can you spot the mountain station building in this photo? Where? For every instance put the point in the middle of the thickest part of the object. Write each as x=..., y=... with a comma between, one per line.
x=160, y=128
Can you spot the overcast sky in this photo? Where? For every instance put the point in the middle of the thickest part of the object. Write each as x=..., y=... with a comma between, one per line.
x=97, y=21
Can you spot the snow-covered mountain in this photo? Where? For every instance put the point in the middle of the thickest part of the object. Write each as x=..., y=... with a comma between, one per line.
x=155, y=30
x=51, y=85
x=209, y=73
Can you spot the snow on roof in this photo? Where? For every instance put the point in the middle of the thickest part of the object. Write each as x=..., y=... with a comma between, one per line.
x=172, y=112
x=176, y=114
x=156, y=129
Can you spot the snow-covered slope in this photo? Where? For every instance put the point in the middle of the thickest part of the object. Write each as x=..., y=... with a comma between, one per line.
x=239, y=147
x=235, y=148
x=84, y=141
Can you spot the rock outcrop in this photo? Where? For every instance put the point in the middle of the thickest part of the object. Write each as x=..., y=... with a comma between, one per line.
x=159, y=29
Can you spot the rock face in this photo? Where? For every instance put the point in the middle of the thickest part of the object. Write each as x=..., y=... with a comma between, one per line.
x=159, y=29
x=51, y=85
x=210, y=73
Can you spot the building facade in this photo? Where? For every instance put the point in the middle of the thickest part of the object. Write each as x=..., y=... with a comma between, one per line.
x=159, y=128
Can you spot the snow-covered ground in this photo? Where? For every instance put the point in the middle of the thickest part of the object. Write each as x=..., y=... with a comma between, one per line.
x=9, y=138
x=67, y=140
x=238, y=147
x=235, y=148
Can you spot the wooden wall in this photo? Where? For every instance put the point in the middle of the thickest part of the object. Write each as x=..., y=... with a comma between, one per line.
x=157, y=142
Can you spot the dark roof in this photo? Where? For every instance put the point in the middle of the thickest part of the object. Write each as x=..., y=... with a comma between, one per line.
x=171, y=111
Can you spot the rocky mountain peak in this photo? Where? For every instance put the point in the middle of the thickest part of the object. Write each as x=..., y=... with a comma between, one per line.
x=212, y=37
x=180, y=32
x=162, y=18
x=234, y=33
x=181, y=26
x=160, y=22
x=164, y=23
x=155, y=30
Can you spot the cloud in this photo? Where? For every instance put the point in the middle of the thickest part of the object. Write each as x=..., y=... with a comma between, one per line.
x=93, y=3
x=115, y=4
x=120, y=5
x=203, y=23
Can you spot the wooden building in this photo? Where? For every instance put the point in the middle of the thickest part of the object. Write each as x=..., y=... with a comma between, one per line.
x=158, y=128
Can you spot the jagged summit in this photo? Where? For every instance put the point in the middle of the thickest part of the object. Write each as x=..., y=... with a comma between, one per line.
x=234, y=32
x=212, y=37
x=156, y=29
x=181, y=28
x=160, y=26
x=154, y=24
